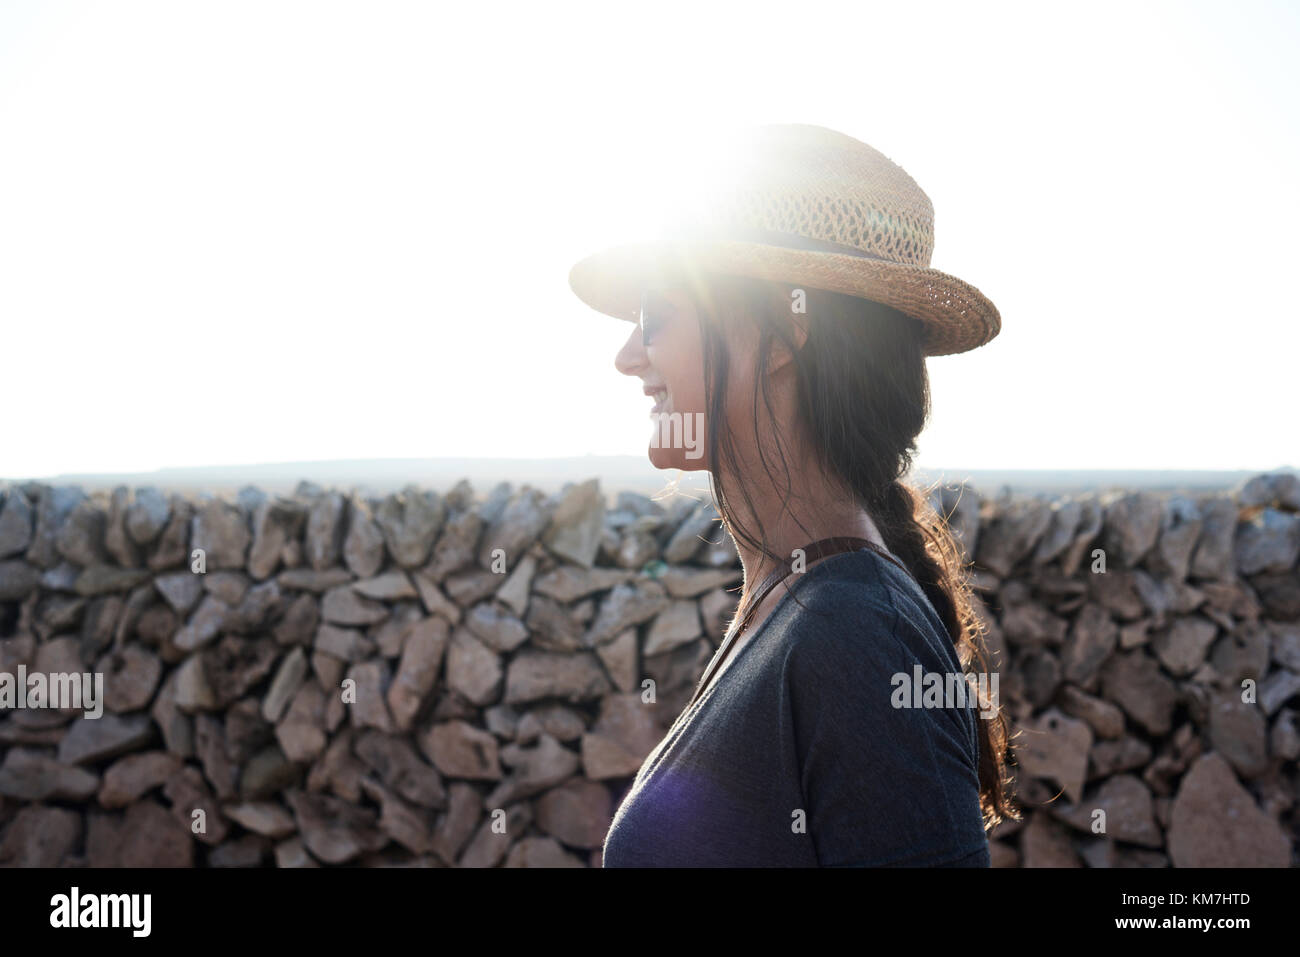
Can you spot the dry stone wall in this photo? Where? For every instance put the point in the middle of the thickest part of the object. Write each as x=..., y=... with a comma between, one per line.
x=457, y=680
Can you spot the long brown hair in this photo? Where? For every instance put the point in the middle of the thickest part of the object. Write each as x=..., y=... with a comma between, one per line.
x=863, y=398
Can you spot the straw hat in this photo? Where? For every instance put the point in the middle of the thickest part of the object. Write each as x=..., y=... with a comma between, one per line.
x=808, y=206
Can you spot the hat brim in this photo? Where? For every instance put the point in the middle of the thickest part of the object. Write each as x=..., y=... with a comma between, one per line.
x=955, y=315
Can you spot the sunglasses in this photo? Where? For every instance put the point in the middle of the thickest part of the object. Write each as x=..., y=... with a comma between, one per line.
x=655, y=310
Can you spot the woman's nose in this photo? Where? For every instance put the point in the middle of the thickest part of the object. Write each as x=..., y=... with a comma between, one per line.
x=631, y=359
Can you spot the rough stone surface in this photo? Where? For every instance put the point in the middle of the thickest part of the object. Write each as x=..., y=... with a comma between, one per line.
x=435, y=678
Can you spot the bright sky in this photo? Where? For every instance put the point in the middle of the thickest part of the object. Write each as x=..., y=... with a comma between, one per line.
x=238, y=232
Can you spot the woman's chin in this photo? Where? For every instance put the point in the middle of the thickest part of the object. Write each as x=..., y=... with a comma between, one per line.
x=668, y=458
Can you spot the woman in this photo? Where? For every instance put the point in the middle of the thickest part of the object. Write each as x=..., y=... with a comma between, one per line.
x=790, y=311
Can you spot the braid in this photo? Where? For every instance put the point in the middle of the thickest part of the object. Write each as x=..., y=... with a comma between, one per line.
x=914, y=531
x=903, y=535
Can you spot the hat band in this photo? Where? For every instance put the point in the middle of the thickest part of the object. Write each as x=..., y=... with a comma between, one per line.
x=774, y=237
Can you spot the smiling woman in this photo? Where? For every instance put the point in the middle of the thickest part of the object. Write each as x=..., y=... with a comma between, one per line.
x=794, y=321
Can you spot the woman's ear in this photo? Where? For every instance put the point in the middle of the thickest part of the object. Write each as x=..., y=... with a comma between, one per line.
x=791, y=305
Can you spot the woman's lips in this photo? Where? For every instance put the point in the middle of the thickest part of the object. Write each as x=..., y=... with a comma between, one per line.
x=661, y=399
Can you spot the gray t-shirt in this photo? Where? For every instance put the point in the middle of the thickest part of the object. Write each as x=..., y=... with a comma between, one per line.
x=796, y=756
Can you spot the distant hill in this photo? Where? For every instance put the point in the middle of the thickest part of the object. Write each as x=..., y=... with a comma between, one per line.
x=616, y=472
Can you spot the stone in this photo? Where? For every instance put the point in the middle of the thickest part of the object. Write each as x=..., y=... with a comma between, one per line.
x=435, y=602
x=1134, y=682
x=460, y=750
x=390, y=586
x=313, y=580
x=1215, y=823
x=540, y=852
x=92, y=739
x=690, y=534
x=370, y=709
x=1279, y=488
x=457, y=546
x=346, y=644
x=1034, y=626
x=104, y=579
x=577, y=813
x=1182, y=646
x=1268, y=541
x=457, y=824
x=275, y=525
x=559, y=721
x=577, y=523
x=193, y=689
x=1064, y=517
x=130, y=677
x=324, y=532
x=1129, y=812
x=288, y=677
x=514, y=591
x=221, y=530
x=1091, y=642
x=400, y=768
x=267, y=772
x=147, y=515
x=1013, y=533
x=1239, y=733
x=410, y=521
x=471, y=587
x=267, y=818
x=496, y=628
x=535, y=769
x=473, y=669
x=17, y=520
x=17, y=580
x=292, y=853
x=1105, y=719
x=1180, y=529
x=246, y=851
x=363, y=546
x=525, y=516
x=407, y=825
x=426, y=642
x=685, y=582
x=203, y=626
x=494, y=836
x=1213, y=558
x=1056, y=747
x=1131, y=526
x=677, y=624
x=623, y=736
x=625, y=606
x=568, y=584
x=181, y=590
x=1278, y=688
x=344, y=606
x=533, y=675
x=552, y=626
x=130, y=777
x=332, y=830
x=31, y=775
x=1045, y=843
x=147, y=835
x=41, y=837
x=299, y=623
x=1242, y=654
x=80, y=538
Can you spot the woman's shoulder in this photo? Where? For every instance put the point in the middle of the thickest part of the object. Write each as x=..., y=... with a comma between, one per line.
x=856, y=610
